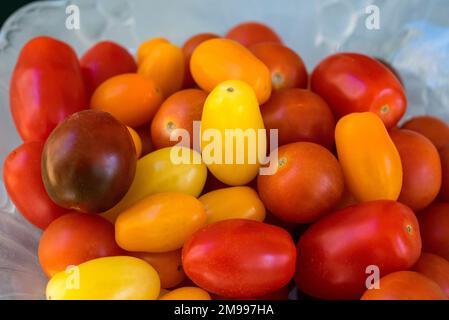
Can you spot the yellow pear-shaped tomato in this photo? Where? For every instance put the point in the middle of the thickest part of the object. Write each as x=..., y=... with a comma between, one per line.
x=218, y=60
x=233, y=203
x=233, y=140
x=159, y=223
x=370, y=161
x=109, y=278
x=187, y=293
x=160, y=172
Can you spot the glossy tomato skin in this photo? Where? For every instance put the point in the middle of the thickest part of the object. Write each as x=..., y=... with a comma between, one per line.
x=103, y=61
x=405, y=285
x=252, y=32
x=433, y=128
x=333, y=253
x=435, y=268
x=352, y=82
x=229, y=258
x=88, y=162
x=23, y=181
x=434, y=223
x=45, y=66
x=299, y=115
x=76, y=238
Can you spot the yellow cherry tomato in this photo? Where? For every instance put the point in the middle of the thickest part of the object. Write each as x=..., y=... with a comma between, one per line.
x=186, y=293
x=110, y=278
x=218, y=60
x=137, y=141
x=159, y=223
x=370, y=161
x=233, y=203
x=157, y=172
x=233, y=140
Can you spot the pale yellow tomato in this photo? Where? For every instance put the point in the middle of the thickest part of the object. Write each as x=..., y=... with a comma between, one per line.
x=186, y=293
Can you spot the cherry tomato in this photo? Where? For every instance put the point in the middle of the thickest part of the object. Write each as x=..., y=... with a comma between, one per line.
x=249, y=33
x=177, y=112
x=370, y=161
x=46, y=87
x=444, y=157
x=188, y=48
x=233, y=203
x=88, y=162
x=299, y=115
x=76, y=238
x=103, y=61
x=434, y=223
x=434, y=129
x=421, y=168
x=167, y=264
x=145, y=136
x=218, y=60
x=137, y=141
x=405, y=285
x=159, y=223
x=186, y=293
x=334, y=253
x=23, y=181
x=232, y=105
x=131, y=98
x=147, y=48
x=156, y=172
x=435, y=268
x=240, y=258
x=109, y=278
x=286, y=66
x=352, y=82
x=307, y=184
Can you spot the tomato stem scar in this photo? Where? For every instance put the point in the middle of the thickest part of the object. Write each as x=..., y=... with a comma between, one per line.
x=409, y=228
x=282, y=162
x=230, y=89
x=385, y=108
x=170, y=126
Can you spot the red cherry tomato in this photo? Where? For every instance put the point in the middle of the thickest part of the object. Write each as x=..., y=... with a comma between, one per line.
x=46, y=87
x=103, y=61
x=240, y=258
x=334, y=253
x=249, y=33
x=352, y=82
x=434, y=226
x=23, y=181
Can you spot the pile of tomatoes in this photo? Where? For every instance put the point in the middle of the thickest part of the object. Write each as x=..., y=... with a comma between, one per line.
x=355, y=208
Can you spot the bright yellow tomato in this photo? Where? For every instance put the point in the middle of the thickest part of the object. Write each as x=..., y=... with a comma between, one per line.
x=157, y=172
x=233, y=140
x=110, y=278
x=370, y=161
x=159, y=223
x=186, y=293
x=233, y=203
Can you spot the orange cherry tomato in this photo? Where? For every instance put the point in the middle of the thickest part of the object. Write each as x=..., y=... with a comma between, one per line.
x=188, y=48
x=434, y=267
x=218, y=60
x=186, y=293
x=130, y=98
x=162, y=62
x=167, y=264
x=137, y=141
x=286, y=66
x=436, y=130
x=370, y=161
x=177, y=112
x=249, y=33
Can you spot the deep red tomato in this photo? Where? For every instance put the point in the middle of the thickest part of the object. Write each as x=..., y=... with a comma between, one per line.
x=334, y=253
x=434, y=267
x=433, y=128
x=23, y=181
x=352, y=82
x=46, y=86
x=434, y=226
x=240, y=258
x=76, y=238
x=103, y=61
x=249, y=33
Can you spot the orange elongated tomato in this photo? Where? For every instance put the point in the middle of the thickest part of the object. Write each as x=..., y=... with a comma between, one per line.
x=218, y=60
x=370, y=161
x=186, y=293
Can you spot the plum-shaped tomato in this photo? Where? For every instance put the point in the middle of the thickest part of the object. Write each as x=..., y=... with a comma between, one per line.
x=88, y=162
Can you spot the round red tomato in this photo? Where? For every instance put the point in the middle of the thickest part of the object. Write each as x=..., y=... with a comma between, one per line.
x=352, y=82
x=434, y=267
x=434, y=225
x=240, y=258
x=249, y=33
x=334, y=253
x=76, y=238
x=23, y=181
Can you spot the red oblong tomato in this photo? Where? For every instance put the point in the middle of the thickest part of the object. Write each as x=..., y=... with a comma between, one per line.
x=46, y=87
x=434, y=226
x=23, y=182
x=249, y=33
x=76, y=238
x=334, y=253
x=103, y=61
x=434, y=267
x=240, y=258
x=352, y=82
